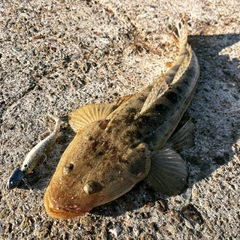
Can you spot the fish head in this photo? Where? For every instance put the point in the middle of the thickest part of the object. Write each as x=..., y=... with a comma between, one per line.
x=92, y=172
x=15, y=179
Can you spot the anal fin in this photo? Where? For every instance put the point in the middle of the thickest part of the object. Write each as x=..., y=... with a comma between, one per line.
x=182, y=138
x=87, y=114
x=168, y=173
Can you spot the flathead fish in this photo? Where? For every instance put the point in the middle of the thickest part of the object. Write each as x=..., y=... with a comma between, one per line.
x=34, y=156
x=118, y=145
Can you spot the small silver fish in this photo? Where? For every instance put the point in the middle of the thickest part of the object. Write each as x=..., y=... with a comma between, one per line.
x=34, y=156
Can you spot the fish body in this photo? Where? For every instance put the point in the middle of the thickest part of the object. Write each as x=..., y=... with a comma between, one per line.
x=118, y=145
x=34, y=156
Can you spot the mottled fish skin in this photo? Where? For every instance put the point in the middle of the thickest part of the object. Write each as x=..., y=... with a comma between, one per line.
x=112, y=152
x=34, y=156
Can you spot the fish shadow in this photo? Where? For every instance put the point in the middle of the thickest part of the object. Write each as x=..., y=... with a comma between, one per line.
x=213, y=65
x=218, y=120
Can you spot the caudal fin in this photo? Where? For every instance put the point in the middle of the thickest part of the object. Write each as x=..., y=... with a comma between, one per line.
x=57, y=120
x=180, y=36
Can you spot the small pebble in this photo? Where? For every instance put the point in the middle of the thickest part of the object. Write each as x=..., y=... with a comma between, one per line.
x=116, y=231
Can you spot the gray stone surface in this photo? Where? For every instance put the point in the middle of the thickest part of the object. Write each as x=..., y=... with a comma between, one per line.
x=58, y=55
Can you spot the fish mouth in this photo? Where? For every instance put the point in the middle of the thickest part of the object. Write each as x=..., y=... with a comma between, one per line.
x=61, y=212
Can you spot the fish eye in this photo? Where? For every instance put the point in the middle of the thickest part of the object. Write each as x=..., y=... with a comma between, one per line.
x=92, y=187
x=68, y=168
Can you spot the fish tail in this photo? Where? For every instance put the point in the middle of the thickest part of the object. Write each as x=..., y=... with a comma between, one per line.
x=57, y=120
x=162, y=83
x=180, y=36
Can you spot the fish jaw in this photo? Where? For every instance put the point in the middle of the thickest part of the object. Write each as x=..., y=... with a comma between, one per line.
x=58, y=210
x=61, y=212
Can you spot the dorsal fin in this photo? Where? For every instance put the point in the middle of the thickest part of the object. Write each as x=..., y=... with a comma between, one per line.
x=87, y=114
x=159, y=88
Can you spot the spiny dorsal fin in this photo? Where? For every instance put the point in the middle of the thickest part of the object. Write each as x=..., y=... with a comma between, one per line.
x=87, y=114
x=168, y=174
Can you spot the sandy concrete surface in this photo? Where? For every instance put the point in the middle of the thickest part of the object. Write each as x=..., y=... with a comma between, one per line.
x=58, y=55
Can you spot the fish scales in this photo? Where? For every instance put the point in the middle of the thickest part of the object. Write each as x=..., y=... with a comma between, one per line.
x=118, y=145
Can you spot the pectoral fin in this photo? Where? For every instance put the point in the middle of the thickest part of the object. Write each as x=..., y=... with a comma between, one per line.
x=168, y=174
x=87, y=114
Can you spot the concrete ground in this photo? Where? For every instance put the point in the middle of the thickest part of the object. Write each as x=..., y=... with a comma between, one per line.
x=58, y=55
